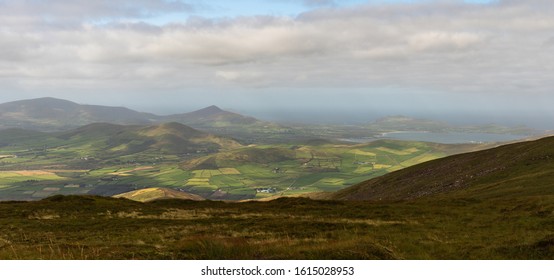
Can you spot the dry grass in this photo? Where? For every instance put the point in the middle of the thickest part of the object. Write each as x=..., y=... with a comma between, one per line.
x=291, y=228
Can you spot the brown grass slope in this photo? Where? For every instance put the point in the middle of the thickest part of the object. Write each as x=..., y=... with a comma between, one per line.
x=515, y=170
x=151, y=194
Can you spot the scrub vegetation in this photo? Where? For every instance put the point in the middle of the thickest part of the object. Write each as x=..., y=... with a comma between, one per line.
x=84, y=227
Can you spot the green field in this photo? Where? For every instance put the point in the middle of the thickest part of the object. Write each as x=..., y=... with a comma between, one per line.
x=492, y=204
x=33, y=169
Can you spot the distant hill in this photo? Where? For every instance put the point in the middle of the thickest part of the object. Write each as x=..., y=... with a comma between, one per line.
x=404, y=123
x=16, y=135
x=51, y=114
x=515, y=170
x=151, y=194
x=169, y=138
x=216, y=120
x=213, y=116
x=103, y=140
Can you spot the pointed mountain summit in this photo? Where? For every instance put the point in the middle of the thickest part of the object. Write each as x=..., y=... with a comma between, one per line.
x=215, y=120
x=221, y=122
x=213, y=116
x=208, y=111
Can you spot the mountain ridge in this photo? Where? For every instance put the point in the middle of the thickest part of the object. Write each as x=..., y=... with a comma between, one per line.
x=49, y=114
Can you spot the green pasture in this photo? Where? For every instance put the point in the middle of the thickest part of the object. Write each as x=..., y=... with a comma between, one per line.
x=289, y=169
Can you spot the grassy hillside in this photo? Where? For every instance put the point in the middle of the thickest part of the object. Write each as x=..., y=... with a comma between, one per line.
x=107, y=159
x=492, y=204
x=515, y=170
x=151, y=194
x=107, y=228
x=103, y=140
x=102, y=159
x=288, y=170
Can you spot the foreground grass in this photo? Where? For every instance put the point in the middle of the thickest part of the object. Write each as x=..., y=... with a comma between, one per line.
x=107, y=228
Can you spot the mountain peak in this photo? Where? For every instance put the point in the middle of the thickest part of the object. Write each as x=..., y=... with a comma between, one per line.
x=208, y=111
x=211, y=109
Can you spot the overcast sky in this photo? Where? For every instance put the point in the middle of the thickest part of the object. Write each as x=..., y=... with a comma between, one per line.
x=348, y=60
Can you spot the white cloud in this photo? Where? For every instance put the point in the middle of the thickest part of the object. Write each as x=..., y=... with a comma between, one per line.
x=445, y=46
x=78, y=10
x=436, y=41
x=228, y=75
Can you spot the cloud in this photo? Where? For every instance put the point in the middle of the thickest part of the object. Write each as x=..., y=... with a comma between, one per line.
x=436, y=41
x=249, y=78
x=549, y=42
x=442, y=45
x=319, y=3
x=56, y=11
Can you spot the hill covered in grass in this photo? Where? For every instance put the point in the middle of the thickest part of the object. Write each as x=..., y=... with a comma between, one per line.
x=151, y=194
x=107, y=159
x=515, y=170
x=491, y=204
x=89, y=227
x=110, y=140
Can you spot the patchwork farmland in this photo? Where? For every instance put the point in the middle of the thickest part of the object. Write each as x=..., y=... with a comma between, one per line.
x=252, y=172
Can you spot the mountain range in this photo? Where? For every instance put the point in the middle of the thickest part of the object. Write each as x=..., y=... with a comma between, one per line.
x=51, y=114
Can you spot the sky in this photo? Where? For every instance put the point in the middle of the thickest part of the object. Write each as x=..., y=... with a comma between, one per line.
x=336, y=61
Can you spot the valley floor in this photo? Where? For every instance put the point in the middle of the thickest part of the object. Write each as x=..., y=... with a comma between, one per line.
x=253, y=172
x=87, y=227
